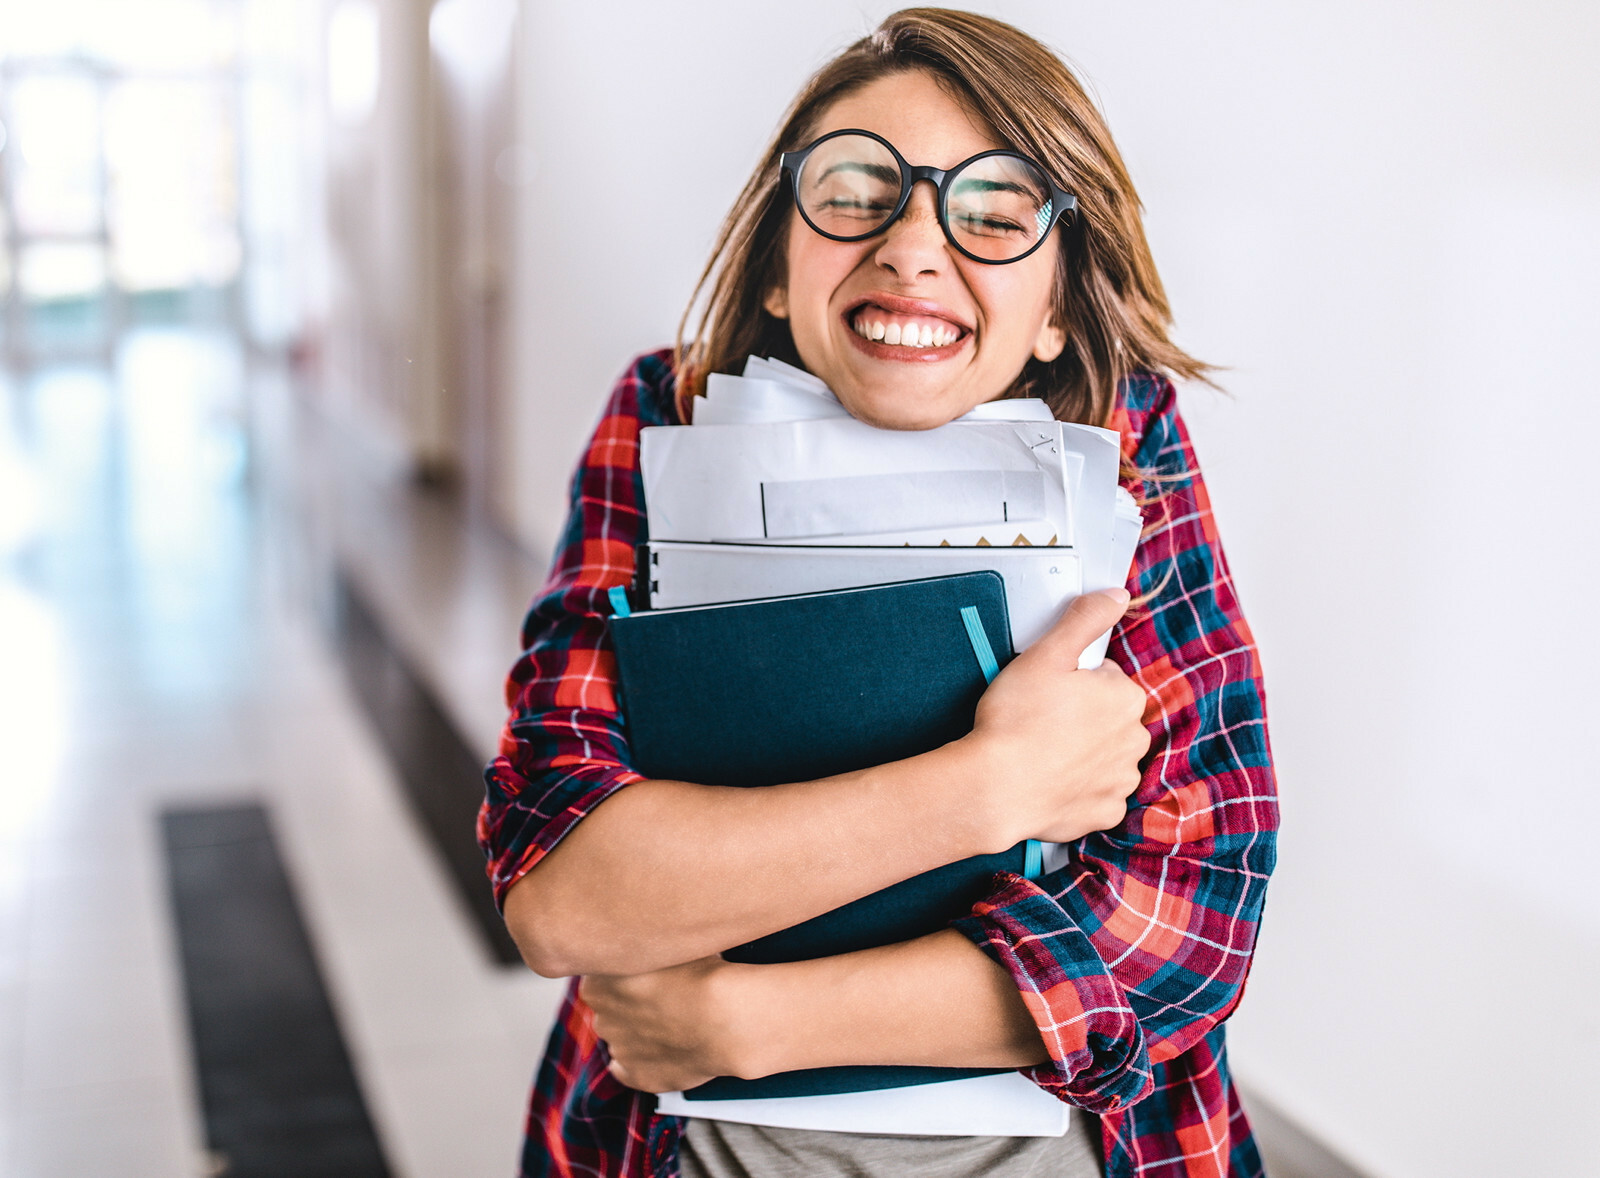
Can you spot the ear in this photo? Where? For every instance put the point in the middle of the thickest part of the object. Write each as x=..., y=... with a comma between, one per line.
x=776, y=302
x=1050, y=342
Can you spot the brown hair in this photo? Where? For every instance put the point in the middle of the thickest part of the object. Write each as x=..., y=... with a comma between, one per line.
x=1108, y=296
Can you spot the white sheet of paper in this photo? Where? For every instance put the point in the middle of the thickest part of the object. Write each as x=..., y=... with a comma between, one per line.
x=771, y=392
x=759, y=370
x=1093, y=493
x=738, y=400
x=707, y=482
x=1014, y=533
x=1129, y=528
x=1004, y=1105
x=1011, y=409
x=1039, y=581
x=762, y=368
x=798, y=508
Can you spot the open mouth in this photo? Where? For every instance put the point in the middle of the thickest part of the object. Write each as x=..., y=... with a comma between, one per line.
x=897, y=329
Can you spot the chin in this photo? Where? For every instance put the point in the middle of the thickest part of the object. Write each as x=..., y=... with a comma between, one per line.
x=898, y=416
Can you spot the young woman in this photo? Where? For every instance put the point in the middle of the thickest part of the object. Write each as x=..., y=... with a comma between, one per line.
x=1108, y=980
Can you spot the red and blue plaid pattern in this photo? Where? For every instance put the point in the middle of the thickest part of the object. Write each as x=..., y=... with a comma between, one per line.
x=1129, y=958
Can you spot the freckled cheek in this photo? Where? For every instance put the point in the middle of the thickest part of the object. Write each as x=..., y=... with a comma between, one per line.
x=817, y=268
x=1014, y=311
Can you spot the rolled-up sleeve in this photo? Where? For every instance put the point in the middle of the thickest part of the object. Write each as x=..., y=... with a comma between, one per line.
x=1139, y=947
x=563, y=750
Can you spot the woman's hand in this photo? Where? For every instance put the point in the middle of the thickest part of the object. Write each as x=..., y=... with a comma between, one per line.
x=936, y=1001
x=671, y=1029
x=1057, y=749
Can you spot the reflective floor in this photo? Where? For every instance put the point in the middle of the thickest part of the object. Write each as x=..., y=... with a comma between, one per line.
x=169, y=528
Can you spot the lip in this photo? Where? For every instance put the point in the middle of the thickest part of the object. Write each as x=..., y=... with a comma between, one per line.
x=900, y=305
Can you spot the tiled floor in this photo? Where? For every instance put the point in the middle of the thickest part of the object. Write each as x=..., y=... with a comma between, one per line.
x=166, y=537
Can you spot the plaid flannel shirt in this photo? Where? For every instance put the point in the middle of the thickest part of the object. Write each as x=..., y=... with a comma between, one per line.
x=1129, y=958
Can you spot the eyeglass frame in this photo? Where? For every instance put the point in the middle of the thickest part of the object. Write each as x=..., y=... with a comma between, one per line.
x=1063, y=205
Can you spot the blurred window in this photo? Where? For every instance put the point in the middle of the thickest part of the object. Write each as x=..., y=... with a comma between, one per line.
x=54, y=153
x=354, y=61
x=147, y=149
x=172, y=199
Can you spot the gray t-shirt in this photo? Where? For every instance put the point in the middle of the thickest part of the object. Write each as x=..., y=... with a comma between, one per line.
x=726, y=1149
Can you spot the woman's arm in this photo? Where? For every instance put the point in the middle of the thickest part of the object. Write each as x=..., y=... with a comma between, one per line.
x=1133, y=954
x=936, y=1001
x=666, y=872
x=1126, y=959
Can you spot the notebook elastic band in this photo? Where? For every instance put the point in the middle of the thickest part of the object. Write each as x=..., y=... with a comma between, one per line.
x=987, y=663
x=1033, y=853
x=619, y=601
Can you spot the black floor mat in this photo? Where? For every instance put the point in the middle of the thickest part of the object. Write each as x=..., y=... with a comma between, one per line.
x=279, y=1096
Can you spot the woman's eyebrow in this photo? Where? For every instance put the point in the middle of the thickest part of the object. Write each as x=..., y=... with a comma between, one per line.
x=884, y=172
x=981, y=184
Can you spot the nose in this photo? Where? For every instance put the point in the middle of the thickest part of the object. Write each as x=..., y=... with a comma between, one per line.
x=915, y=245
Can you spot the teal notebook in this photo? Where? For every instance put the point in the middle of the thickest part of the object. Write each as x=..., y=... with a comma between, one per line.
x=795, y=688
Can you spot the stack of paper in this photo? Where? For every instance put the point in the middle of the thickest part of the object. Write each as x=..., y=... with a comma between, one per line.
x=777, y=489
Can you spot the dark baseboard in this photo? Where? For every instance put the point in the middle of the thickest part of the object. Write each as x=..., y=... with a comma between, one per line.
x=442, y=777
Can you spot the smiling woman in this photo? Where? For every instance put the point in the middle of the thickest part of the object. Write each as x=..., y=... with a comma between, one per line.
x=941, y=221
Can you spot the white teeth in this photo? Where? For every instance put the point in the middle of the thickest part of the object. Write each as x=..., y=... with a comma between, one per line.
x=913, y=335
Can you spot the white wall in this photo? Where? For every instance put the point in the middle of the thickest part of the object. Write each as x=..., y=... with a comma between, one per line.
x=383, y=370
x=1383, y=218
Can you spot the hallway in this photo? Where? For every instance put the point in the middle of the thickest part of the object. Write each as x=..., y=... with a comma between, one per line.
x=303, y=324
x=167, y=613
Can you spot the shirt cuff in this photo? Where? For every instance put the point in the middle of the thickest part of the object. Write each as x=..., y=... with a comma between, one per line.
x=589, y=784
x=1098, y=1059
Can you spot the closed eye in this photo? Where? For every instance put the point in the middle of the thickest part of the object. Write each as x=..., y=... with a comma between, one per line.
x=986, y=224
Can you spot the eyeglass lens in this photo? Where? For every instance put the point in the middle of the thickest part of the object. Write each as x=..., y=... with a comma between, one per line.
x=997, y=207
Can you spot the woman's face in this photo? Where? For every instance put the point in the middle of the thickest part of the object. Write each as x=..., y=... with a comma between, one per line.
x=910, y=276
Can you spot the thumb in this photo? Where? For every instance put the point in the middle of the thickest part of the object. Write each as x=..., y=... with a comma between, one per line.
x=1084, y=620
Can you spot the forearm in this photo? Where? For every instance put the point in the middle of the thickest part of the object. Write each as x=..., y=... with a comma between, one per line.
x=666, y=872
x=936, y=1001
x=662, y=872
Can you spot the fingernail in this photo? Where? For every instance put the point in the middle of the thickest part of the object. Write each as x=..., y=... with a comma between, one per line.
x=1120, y=596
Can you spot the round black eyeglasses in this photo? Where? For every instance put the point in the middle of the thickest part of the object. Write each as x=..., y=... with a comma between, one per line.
x=996, y=207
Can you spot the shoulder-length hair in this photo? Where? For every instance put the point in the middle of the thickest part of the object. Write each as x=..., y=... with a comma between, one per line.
x=1108, y=297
